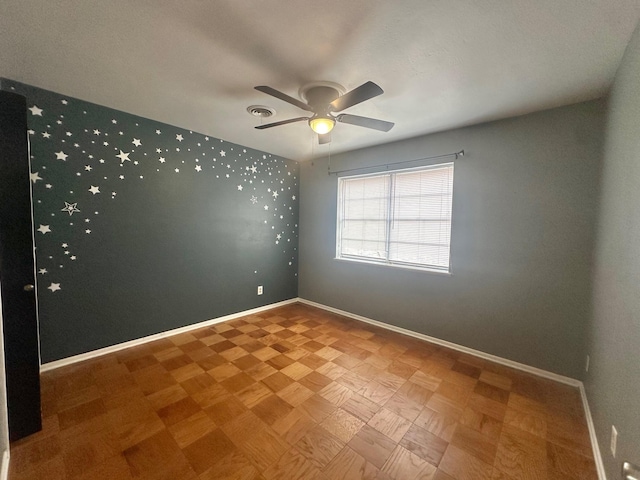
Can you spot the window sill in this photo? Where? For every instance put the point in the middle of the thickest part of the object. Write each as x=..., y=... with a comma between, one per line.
x=395, y=265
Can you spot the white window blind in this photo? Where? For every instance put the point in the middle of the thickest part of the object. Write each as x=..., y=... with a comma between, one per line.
x=399, y=217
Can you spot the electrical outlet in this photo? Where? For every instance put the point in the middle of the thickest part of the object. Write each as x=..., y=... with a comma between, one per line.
x=259, y=289
x=614, y=440
x=586, y=367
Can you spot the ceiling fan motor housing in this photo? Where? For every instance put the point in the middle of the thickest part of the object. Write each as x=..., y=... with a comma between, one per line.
x=320, y=97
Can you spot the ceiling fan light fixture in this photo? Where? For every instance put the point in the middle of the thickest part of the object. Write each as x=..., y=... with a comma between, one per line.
x=321, y=124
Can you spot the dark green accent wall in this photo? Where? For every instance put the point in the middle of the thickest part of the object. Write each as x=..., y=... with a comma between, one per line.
x=142, y=227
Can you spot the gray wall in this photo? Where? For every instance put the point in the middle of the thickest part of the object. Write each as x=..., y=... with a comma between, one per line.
x=613, y=381
x=524, y=209
x=142, y=227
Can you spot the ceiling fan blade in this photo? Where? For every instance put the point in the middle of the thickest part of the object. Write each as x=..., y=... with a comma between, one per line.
x=283, y=122
x=357, y=95
x=324, y=138
x=365, y=122
x=283, y=96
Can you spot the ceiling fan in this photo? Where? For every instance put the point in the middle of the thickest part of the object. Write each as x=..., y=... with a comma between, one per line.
x=323, y=100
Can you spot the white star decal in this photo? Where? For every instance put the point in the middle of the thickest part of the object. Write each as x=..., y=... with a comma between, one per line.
x=65, y=245
x=64, y=102
x=46, y=134
x=96, y=132
x=123, y=156
x=136, y=142
x=94, y=190
x=240, y=187
x=54, y=287
x=35, y=111
x=61, y=156
x=161, y=160
x=177, y=170
x=48, y=185
x=179, y=137
x=88, y=168
x=44, y=229
x=70, y=208
x=31, y=132
x=198, y=168
x=69, y=134
x=87, y=231
x=266, y=207
x=275, y=195
x=158, y=132
x=293, y=197
x=42, y=271
x=223, y=153
x=35, y=177
x=114, y=121
x=73, y=257
x=253, y=169
x=278, y=236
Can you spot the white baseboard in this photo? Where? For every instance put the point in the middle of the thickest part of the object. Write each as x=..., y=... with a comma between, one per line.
x=454, y=346
x=4, y=469
x=139, y=341
x=602, y=475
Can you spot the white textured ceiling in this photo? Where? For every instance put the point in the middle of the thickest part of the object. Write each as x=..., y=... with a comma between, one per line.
x=194, y=63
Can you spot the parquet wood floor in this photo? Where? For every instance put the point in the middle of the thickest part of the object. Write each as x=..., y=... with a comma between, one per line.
x=300, y=393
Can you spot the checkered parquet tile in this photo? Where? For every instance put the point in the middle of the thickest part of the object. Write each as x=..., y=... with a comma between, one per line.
x=300, y=393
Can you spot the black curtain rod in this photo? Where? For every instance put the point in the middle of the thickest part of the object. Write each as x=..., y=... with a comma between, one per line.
x=387, y=165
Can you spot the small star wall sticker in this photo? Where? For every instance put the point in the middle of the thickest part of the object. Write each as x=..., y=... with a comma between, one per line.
x=35, y=111
x=44, y=229
x=61, y=156
x=123, y=157
x=70, y=208
x=54, y=287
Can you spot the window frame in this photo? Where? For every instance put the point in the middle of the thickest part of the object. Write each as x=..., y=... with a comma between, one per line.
x=386, y=262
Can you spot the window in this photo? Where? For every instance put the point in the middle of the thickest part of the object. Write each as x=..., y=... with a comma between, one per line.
x=397, y=218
